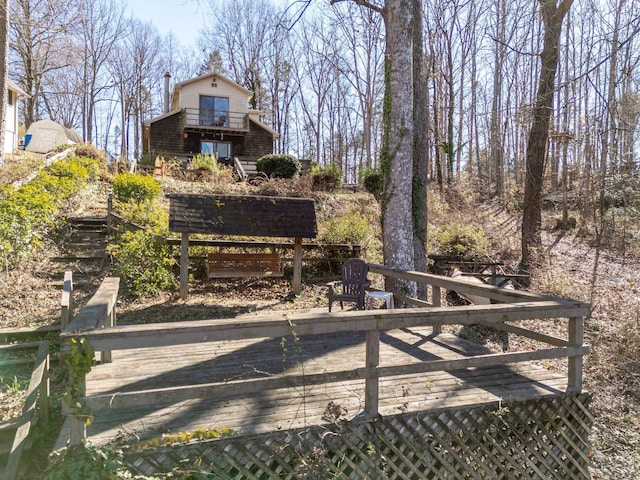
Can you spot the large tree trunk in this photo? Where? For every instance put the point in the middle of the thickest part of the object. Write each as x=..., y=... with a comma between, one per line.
x=398, y=219
x=4, y=53
x=420, y=148
x=552, y=17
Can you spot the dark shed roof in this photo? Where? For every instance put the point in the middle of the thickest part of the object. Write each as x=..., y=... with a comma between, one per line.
x=247, y=215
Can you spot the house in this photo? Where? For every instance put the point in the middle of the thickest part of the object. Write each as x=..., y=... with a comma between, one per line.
x=11, y=116
x=209, y=114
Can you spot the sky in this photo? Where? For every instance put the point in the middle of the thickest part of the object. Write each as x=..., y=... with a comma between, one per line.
x=183, y=17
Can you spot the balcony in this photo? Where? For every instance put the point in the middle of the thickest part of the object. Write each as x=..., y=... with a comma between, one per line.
x=199, y=120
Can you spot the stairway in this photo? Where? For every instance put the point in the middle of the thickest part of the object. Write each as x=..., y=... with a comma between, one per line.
x=84, y=250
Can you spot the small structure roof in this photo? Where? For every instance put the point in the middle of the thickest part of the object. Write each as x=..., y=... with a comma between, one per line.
x=245, y=215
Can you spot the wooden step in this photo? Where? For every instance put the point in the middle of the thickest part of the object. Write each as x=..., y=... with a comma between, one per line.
x=87, y=221
x=86, y=257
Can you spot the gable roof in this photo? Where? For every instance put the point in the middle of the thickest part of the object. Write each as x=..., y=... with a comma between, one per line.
x=178, y=86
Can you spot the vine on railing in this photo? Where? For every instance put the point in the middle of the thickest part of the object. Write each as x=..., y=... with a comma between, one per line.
x=79, y=361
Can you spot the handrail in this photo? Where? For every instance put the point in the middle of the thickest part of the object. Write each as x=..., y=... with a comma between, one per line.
x=239, y=169
x=438, y=281
x=230, y=121
x=37, y=394
x=278, y=325
x=521, y=306
x=98, y=313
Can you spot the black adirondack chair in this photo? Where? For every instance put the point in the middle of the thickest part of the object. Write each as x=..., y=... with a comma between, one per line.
x=353, y=285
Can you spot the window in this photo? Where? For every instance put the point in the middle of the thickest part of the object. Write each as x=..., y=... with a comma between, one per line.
x=9, y=97
x=214, y=111
x=223, y=149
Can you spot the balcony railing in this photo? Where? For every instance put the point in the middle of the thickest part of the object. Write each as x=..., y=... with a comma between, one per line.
x=216, y=120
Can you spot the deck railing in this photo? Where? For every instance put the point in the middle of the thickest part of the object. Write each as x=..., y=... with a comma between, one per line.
x=35, y=409
x=229, y=121
x=521, y=306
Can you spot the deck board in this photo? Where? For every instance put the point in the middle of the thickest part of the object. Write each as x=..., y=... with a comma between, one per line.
x=140, y=369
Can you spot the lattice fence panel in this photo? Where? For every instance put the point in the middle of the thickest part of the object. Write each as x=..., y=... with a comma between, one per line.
x=537, y=439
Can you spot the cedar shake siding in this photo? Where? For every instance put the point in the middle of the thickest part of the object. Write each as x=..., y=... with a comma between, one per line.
x=258, y=144
x=166, y=135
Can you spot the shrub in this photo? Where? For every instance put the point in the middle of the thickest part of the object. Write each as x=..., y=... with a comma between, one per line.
x=132, y=187
x=206, y=162
x=279, y=165
x=149, y=214
x=468, y=241
x=373, y=181
x=350, y=229
x=28, y=212
x=89, y=462
x=143, y=260
x=326, y=179
x=89, y=151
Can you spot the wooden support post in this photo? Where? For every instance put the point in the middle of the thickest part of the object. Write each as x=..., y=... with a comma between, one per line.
x=437, y=302
x=67, y=300
x=372, y=384
x=184, y=266
x=45, y=390
x=109, y=211
x=297, y=266
x=77, y=431
x=576, y=338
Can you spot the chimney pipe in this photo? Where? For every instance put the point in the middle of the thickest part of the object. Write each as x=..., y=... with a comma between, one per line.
x=167, y=80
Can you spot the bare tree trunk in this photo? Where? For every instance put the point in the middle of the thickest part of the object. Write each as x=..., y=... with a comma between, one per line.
x=552, y=17
x=4, y=53
x=398, y=219
x=420, y=148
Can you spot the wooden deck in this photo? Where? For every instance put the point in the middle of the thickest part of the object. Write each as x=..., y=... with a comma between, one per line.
x=154, y=369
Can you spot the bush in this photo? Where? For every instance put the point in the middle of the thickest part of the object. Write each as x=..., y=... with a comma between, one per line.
x=373, y=181
x=89, y=151
x=279, y=165
x=89, y=462
x=350, y=229
x=28, y=213
x=132, y=187
x=468, y=241
x=206, y=162
x=143, y=260
x=148, y=214
x=326, y=179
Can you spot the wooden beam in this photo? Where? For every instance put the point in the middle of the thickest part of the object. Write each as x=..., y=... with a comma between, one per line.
x=576, y=337
x=297, y=266
x=488, y=291
x=66, y=303
x=372, y=384
x=38, y=389
x=97, y=310
x=279, y=324
x=184, y=266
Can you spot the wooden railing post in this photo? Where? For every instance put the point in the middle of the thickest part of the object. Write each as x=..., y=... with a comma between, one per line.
x=109, y=210
x=576, y=338
x=45, y=390
x=372, y=383
x=437, y=302
x=66, y=303
x=297, y=266
x=184, y=266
